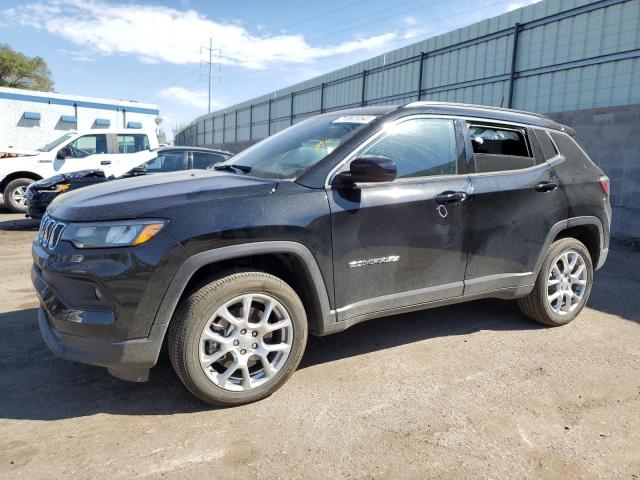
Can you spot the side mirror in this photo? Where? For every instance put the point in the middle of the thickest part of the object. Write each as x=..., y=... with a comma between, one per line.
x=368, y=169
x=63, y=153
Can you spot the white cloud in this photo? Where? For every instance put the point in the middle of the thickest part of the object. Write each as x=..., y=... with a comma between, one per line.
x=515, y=6
x=410, y=21
x=154, y=34
x=413, y=33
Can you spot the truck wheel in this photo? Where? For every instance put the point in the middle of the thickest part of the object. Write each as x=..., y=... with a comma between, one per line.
x=15, y=194
x=563, y=285
x=238, y=339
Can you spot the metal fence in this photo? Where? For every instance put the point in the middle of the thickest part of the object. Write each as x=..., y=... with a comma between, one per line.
x=553, y=56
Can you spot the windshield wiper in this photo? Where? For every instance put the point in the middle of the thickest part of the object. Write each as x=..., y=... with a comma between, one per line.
x=242, y=168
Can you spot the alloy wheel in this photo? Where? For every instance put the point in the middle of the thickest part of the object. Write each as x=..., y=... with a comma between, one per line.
x=567, y=282
x=19, y=195
x=246, y=342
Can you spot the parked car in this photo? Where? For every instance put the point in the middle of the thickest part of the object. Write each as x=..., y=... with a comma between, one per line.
x=113, y=151
x=167, y=159
x=348, y=216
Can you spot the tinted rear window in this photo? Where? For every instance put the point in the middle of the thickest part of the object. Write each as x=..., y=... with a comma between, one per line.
x=548, y=149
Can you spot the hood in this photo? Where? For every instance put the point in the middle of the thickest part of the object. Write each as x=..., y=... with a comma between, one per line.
x=8, y=152
x=155, y=195
x=66, y=177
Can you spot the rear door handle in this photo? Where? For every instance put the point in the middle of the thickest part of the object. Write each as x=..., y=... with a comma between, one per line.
x=450, y=197
x=105, y=162
x=546, y=186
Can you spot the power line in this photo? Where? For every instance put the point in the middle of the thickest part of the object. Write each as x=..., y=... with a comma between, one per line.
x=328, y=12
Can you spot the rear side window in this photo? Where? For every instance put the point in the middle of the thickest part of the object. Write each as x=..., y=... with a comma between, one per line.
x=132, y=143
x=420, y=147
x=496, y=149
x=548, y=148
x=203, y=160
x=168, y=162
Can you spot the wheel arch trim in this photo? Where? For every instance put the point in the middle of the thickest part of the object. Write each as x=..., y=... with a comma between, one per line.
x=588, y=220
x=194, y=263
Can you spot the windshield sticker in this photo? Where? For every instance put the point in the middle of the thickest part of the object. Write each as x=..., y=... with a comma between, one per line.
x=360, y=119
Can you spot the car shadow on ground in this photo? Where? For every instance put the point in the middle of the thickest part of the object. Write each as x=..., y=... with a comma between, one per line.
x=19, y=224
x=53, y=389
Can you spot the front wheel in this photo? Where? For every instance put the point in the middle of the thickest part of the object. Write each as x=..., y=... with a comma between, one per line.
x=563, y=285
x=238, y=339
x=15, y=194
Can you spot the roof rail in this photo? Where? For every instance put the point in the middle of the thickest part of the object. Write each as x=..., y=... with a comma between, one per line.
x=426, y=103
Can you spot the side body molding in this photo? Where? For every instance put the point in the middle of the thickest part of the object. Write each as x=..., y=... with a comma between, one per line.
x=199, y=260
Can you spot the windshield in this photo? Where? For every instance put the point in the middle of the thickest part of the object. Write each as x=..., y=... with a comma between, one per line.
x=50, y=146
x=290, y=152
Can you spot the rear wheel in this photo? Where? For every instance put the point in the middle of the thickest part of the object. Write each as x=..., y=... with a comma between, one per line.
x=238, y=339
x=563, y=285
x=15, y=194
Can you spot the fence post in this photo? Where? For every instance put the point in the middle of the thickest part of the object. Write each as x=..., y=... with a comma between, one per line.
x=322, y=97
x=364, y=80
x=514, y=58
x=291, y=109
x=235, y=135
x=269, y=124
x=420, y=76
x=251, y=122
x=224, y=125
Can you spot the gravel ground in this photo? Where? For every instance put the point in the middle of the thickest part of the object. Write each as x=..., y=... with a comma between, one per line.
x=468, y=391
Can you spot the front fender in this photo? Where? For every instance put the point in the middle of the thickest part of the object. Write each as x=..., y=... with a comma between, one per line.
x=190, y=266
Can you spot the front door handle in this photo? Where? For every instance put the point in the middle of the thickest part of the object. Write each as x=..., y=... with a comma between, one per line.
x=105, y=162
x=450, y=197
x=546, y=186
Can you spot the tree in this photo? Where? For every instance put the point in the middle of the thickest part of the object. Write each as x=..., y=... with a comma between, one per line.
x=19, y=71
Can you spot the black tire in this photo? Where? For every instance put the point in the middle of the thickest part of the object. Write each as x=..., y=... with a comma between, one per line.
x=194, y=313
x=536, y=306
x=12, y=186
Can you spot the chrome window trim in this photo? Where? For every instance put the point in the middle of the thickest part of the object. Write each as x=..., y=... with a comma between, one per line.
x=552, y=161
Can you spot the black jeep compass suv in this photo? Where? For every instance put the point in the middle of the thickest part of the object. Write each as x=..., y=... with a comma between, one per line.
x=344, y=217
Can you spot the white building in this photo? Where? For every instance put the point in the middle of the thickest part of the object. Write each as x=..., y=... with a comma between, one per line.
x=30, y=119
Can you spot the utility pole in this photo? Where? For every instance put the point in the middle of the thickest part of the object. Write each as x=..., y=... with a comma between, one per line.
x=211, y=50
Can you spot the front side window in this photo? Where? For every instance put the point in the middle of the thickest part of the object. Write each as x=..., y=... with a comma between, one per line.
x=88, y=145
x=497, y=149
x=132, y=143
x=168, y=162
x=420, y=147
x=203, y=160
x=294, y=150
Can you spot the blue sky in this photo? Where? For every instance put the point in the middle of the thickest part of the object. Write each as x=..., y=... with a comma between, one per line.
x=150, y=51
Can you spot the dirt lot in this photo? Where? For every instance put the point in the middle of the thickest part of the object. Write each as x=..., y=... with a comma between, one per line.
x=469, y=391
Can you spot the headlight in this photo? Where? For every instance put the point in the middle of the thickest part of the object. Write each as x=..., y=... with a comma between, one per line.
x=112, y=234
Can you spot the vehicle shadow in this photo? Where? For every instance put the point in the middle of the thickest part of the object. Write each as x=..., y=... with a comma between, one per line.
x=19, y=223
x=53, y=389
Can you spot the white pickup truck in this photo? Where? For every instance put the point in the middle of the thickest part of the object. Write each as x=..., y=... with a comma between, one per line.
x=114, y=152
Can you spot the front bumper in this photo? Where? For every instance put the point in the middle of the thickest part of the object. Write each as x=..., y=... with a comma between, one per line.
x=98, y=306
x=38, y=201
x=129, y=360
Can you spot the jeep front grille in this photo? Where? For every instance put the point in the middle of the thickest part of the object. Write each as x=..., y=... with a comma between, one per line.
x=50, y=231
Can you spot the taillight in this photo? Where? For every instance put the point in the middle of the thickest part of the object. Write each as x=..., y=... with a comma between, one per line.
x=604, y=183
